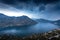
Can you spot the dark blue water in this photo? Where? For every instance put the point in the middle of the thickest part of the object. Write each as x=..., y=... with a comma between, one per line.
x=28, y=30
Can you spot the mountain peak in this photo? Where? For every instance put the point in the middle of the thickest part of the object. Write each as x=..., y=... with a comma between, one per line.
x=15, y=21
x=1, y=14
x=24, y=16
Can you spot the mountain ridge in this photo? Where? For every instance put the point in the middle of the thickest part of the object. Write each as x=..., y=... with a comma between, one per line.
x=15, y=21
x=56, y=22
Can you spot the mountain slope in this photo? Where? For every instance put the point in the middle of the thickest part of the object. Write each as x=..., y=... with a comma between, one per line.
x=15, y=21
x=57, y=22
x=43, y=20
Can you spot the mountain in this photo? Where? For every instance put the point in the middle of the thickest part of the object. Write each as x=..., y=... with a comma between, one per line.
x=57, y=22
x=43, y=20
x=6, y=21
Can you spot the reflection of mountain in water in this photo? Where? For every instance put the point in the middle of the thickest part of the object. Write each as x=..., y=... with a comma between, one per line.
x=41, y=26
x=29, y=30
x=43, y=20
x=57, y=22
x=15, y=21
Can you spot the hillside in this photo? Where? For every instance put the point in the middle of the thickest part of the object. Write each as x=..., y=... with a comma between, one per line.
x=6, y=21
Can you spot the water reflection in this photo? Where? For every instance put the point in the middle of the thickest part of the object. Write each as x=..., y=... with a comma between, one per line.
x=38, y=28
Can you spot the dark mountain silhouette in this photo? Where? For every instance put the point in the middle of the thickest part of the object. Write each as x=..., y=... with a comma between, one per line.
x=57, y=22
x=15, y=21
x=43, y=20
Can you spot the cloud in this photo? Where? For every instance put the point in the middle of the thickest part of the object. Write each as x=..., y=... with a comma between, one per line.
x=8, y=1
x=28, y=3
x=47, y=9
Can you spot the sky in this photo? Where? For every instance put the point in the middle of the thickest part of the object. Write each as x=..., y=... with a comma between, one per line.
x=46, y=9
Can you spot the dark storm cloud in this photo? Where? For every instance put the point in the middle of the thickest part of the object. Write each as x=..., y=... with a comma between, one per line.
x=45, y=1
x=26, y=1
x=29, y=3
x=7, y=1
x=50, y=9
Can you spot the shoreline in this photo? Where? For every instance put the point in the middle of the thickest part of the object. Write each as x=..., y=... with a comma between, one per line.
x=54, y=34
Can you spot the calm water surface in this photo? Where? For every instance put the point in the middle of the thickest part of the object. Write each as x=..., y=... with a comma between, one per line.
x=28, y=30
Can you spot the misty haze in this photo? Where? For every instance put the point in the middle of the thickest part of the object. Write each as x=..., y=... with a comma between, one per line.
x=29, y=19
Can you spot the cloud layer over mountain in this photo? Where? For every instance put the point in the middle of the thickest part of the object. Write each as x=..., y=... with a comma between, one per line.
x=47, y=9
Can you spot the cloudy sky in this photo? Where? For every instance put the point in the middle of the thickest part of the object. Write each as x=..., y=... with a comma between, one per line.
x=46, y=9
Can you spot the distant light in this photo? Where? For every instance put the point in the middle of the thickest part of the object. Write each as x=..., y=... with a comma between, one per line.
x=16, y=14
x=12, y=31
